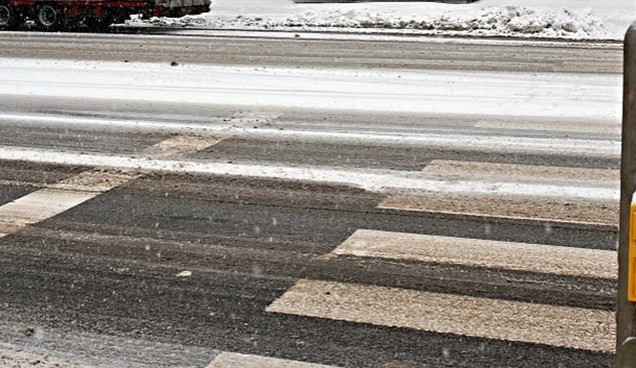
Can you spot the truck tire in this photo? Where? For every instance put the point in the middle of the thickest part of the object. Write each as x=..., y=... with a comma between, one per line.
x=48, y=17
x=9, y=17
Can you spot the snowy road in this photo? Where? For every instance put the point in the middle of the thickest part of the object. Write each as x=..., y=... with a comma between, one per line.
x=572, y=96
x=245, y=207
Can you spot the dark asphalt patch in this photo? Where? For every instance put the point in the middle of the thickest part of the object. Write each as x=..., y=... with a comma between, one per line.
x=76, y=140
x=9, y=193
x=25, y=173
x=196, y=207
x=293, y=261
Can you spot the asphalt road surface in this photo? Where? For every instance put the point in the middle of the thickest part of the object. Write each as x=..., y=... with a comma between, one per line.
x=285, y=237
x=282, y=49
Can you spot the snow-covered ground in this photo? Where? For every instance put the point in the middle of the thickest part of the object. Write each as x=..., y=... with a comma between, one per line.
x=571, y=19
x=580, y=97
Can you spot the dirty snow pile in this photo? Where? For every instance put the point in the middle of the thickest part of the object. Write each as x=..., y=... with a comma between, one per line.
x=573, y=19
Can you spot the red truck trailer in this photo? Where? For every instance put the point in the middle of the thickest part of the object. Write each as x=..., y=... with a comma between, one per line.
x=53, y=15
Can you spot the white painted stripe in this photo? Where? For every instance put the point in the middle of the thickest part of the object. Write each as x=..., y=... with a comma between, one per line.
x=471, y=169
x=481, y=253
x=462, y=315
x=235, y=360
x=70, y=192
x=614, y=129
x=42, y=204
x=372, y=180
x=581, y=147
x=48, y=202
x=181, y=144
x=544, y=209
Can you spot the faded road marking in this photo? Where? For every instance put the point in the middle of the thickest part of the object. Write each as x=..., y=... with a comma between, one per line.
x=234, y=360
x=520, y=208
x=462, y=315
x=614, y=129
x=180, y=144
x=538, y=258
x=470, y=169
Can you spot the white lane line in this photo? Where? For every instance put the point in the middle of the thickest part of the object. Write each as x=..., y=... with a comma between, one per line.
x=581, y=147
x=543, y=209
x=235, y=360
x=70, y=192
x=442, y=313
x=613, y=129
x=481, y=253
x=385, y=181
x=510, y=172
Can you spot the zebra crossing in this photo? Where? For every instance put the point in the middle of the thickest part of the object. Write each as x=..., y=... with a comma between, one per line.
x=561, y=326
x=500, y=318
x=464, y=315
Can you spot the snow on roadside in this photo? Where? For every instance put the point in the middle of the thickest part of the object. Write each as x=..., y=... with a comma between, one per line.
x=570, y=19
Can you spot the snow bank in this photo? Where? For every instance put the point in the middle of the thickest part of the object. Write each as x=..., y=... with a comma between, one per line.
x=571, y=19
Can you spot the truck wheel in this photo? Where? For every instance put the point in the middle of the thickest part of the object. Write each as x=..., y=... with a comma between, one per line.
x=48, y=17
x=9, y=18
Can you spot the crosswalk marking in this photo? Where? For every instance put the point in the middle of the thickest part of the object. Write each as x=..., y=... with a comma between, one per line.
x=39, y=206
x=70, y=192
x=8, y=228
x=180, y=144
x=96, y=180
x=443, y=313
x=482, y=253
x=546, y=209
x=561, y=326
x=374, y=180
x=503, y=204
x=470, y=169
x=614, y=129
x=235, y=360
